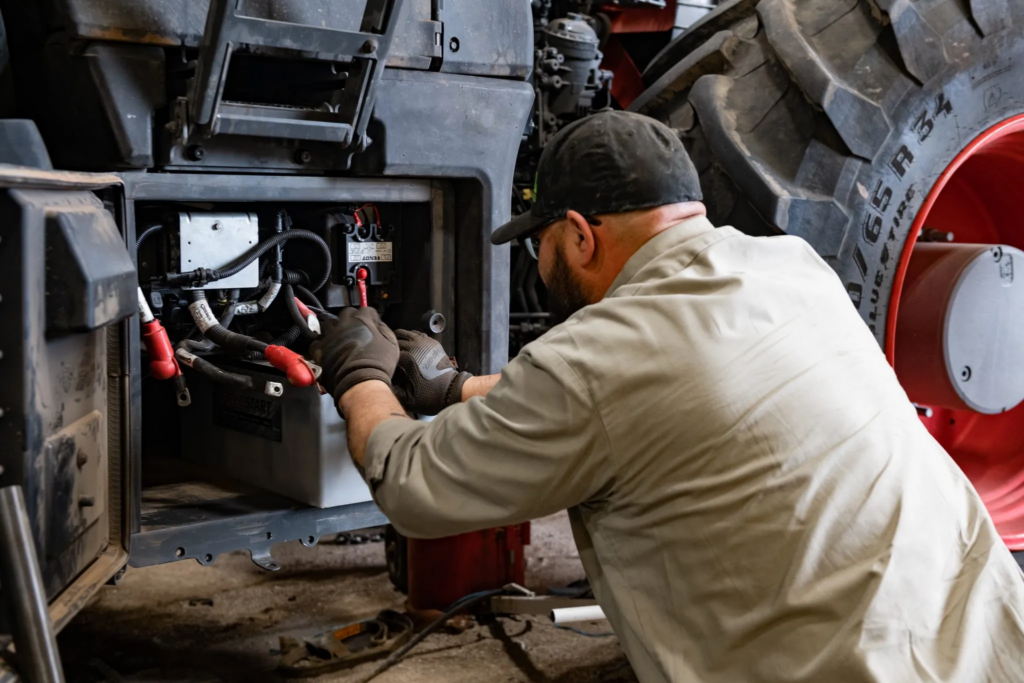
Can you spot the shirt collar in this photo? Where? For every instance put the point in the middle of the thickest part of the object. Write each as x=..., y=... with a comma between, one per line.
x=659, y=244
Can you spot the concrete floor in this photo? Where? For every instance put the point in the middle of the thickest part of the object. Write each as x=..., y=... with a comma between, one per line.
x=191, y=624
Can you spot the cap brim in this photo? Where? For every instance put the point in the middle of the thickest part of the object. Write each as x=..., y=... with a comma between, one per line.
x=520, y=226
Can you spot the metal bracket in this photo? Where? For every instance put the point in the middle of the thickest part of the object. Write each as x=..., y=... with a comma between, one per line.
x=343, y=121
x=262, y=558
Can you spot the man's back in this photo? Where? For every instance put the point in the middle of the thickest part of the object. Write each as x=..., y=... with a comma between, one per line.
x=753, y=497
x=774, y=508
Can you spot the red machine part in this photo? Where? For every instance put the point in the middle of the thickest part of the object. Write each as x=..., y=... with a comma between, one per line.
x=162, y=364
x=960, y=338
x=641, y=19
x=292, y=364
x=361, y=275
x=628, y=82
x=442, y=570
x=975, y=198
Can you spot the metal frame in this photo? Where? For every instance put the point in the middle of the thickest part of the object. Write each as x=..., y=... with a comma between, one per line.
x=206, y=528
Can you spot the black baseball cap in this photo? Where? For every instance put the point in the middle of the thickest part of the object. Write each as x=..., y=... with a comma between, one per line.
x=610, y=162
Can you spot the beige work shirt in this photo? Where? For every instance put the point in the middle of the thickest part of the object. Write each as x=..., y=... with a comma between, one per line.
x=752, y=494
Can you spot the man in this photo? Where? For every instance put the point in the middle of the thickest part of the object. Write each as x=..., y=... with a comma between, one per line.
x=752, y=494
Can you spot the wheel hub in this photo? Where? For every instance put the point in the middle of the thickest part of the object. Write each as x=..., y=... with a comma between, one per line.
x=955, y=331
x=960, y=337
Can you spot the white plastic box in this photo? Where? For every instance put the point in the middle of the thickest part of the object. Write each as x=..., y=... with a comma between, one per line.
x=293, y=445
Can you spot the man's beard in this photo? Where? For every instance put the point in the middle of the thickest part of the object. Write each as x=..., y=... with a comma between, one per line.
x=565, y=295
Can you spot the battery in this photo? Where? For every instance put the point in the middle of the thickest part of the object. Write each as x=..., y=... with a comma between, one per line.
x=293, y=444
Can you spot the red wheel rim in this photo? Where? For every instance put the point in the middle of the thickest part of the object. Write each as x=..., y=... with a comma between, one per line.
x=976, y=198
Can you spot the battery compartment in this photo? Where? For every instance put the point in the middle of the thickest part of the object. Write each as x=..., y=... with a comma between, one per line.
x=241, y=453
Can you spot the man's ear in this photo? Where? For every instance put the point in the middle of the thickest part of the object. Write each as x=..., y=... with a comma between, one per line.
x=581, y=238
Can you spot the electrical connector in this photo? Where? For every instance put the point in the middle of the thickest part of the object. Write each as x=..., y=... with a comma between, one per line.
x=294, y=366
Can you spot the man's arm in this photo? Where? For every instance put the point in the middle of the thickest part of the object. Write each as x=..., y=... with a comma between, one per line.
x=365, y=406
x=479, y=386
x=532, y=446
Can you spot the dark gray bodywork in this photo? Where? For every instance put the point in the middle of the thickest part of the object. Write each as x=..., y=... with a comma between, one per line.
x=423, y=101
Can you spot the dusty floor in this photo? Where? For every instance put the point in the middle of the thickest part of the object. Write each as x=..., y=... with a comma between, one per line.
x=189, y=624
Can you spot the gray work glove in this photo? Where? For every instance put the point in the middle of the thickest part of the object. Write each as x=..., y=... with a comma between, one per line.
x=426, y=381
x=354, y=348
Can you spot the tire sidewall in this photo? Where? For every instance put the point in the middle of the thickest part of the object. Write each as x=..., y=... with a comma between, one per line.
x=930, y=127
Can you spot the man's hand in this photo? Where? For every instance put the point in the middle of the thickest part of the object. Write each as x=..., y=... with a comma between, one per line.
x=355, y=348
x=426, y=381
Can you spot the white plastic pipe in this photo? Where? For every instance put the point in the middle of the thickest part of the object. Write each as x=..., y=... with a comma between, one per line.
x=572, y=615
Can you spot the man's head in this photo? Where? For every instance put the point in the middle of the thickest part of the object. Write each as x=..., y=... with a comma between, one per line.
x=605, y=185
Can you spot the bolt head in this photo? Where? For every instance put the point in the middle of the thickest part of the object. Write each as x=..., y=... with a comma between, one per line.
x=195, y=152
x=303, y=156
x=370, y=46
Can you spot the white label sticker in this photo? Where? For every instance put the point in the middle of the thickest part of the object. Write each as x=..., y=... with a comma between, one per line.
x=269, y=297
x=363, y=252
x=201, y=313
x=247, y=308
x=185, y=357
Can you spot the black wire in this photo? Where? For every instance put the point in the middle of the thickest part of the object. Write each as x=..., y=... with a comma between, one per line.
x=232, y=341
x=146, y=233
x=219, y=376
x=286, y=339
x=200, y=343
x=455, y=608
x=589, y=634
x=310, y=297
x=240, y=263
x=322, y=313
x=295, y=313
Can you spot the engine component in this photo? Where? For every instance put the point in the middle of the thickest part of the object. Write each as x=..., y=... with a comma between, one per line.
x=567, y=74
x=215, y=240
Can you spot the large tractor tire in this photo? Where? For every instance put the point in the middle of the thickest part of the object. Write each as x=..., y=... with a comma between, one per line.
x=859, y=125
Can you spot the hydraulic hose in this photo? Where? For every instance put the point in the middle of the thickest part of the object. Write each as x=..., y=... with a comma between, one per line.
x=203, y=276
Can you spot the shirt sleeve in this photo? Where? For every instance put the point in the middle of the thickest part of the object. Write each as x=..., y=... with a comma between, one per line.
x=533, y=446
